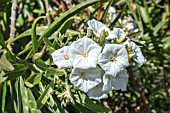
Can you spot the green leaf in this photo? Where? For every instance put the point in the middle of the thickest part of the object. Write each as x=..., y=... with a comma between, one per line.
x=18, y=95
x=48, y=43
x=2, y=78
x=45, y=95
x=3, y=98
x=33, y=34
x=40, y=64
x=20, y=69
x=92, y=106
x=72, y=32
x=104, y=15
x=158, y=27
x=33, y=79
x=117, y=17
x=54, y=72
x=95, y=107
x=40, y=30
x=5, y=64
x=32, y=102
x=24, y=96
x=37, y=79
x=166, y=43
x=144, y=14
x=13, y=90
x=2, y=43
x=62, y=29
x=137, y=19
x=81, y=108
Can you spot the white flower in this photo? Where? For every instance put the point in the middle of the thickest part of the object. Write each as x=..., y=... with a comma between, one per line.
x=127, y=22
x=138, y=56
x=61, y=57
x=118, y=82
x=97, y=27
x=112, y=14
x=85, y=79
x=98, y=92
x=118, y=32
x=85, y=53
x=113, y=59
x=109, y=83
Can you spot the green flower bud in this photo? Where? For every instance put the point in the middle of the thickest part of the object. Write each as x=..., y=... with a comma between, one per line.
x=103, y=35
x=122, y=38
x=89, y=33
x=37, y=56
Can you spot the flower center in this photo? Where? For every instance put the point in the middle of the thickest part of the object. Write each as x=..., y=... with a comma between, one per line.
x=66, y=57
x=85, y=54
x=110, y=77
x=112, y=59
x=82, y=74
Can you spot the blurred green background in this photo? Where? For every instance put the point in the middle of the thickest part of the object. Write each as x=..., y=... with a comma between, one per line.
x=30, y=82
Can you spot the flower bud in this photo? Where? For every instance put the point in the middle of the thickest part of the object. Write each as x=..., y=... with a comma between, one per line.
x=122, y=38
x=131, y=55
x=89, y=33
x=37, y=56
x=103, y=35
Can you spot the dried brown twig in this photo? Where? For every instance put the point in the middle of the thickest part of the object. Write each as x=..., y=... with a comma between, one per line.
x=12, y=26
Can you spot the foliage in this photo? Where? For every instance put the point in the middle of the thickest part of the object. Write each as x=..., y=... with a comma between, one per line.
x=30, y=82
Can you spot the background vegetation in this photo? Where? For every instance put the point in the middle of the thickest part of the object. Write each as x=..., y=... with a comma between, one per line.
x=30, y=30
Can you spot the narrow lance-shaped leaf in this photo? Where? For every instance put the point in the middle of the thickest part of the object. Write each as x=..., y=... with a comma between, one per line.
x=90, y=105
x=138, y=21
x=144, y=14
x=40, y=64
x=34, y=36
x=24, y=96
x=117, y=17
x=158, y=27
x=2, y=43
x=18, y=95
x=20, y=69
x=2, y=78
x=81, y=108
x=32, y=102
x=13, y=96
x=104, y=15
x=3, y=97
x=39, y=31
x=65, y=25
x=45, y=95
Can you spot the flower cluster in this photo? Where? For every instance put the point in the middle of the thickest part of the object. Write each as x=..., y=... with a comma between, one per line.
x=127, y=21
x=99, y=68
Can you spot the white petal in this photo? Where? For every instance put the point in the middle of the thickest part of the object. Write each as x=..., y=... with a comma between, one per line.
x=81, y=46
x=130, y=23
x=117, y=83
x=97, y=27
x=59, y=57
x=117, y=32
x=90, y=79
x=98, y=92
x=121, y=59
x=122, y=56
x=138, y=57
